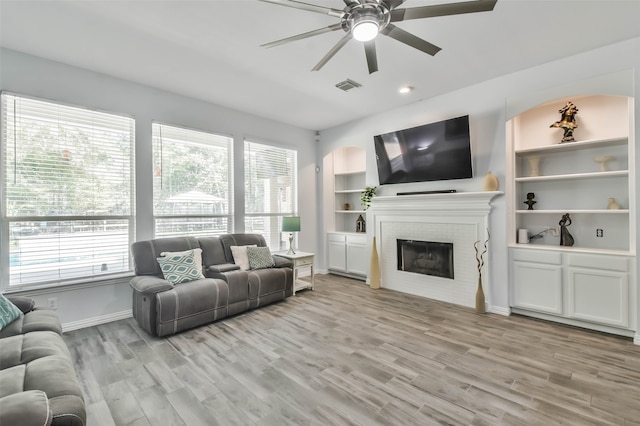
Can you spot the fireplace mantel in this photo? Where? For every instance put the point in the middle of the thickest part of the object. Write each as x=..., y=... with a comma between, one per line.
x=450, y=201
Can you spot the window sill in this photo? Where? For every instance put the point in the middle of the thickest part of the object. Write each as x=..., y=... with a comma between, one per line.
x=37, y=289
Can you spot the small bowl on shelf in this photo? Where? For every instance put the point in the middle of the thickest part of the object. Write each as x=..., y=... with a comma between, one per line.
x=603, y=160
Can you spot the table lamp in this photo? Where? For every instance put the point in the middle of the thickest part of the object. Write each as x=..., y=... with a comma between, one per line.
x=291, y=224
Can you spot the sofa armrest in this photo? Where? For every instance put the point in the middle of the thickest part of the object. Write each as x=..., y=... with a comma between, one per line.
x=25, y=304
x=28, y=408
x=223, y=267
x=281, y=262
x=149, y=284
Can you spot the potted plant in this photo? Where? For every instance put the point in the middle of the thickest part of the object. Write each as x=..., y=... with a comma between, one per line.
x=366, y=196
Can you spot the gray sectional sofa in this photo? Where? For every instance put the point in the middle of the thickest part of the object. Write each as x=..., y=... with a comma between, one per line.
x=38, y=384
x=162, y=308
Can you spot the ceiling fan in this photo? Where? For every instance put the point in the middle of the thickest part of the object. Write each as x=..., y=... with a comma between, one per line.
x=363, y=20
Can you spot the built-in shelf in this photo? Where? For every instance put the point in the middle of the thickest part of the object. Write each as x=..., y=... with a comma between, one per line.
x=574, y=146
x=350, y=211
x=575, y=176
x=584, y=211
x=349, y=191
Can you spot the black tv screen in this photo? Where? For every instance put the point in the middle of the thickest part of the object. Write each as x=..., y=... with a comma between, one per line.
x=435, y=151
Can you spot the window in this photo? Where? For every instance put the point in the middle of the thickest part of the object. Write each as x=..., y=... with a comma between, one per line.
x=67, y=192
x=192, y=182
x=270, y=190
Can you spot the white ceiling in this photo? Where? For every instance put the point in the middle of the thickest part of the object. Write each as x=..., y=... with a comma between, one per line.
x=210, y=49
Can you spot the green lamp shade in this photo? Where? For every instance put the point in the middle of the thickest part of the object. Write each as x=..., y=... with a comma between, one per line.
x=291, y=224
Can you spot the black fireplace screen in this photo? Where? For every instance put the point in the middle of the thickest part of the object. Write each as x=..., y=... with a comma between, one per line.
x=426, y=257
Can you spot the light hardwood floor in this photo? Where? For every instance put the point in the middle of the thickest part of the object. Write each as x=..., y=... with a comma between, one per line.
x=343, y=354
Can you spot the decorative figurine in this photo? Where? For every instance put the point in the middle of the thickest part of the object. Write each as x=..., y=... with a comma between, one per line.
x=567, y=121
x=613, y=205
x=530, y=201
x=360, y=224
x=565, y=237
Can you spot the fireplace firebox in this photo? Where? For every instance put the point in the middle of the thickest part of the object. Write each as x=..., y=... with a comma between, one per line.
x=426, y=257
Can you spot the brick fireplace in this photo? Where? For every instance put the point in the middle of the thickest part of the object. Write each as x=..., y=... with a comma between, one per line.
x=458, y=219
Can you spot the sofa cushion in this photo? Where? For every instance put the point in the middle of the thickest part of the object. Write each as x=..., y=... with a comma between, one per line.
x=260, y=258
x=180, y=267
x=8, y=312
x=197, y=254
x=145, y=253
x=30, y=408
x=39, y=319
x=240, y=256
x=24, y=348
x=228, y=240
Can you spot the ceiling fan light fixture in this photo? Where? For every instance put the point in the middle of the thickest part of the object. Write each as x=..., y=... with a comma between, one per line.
x=365, y=28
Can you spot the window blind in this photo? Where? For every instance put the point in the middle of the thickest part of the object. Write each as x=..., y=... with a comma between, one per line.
x=270, y=190
x=193, y=181
x=68, y=190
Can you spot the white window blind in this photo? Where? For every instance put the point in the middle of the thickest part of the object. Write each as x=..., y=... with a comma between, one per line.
x=67, y=191
x=192, y=182
x=270, y=190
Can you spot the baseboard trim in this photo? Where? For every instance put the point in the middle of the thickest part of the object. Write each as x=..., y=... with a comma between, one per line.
x=499, y=310
x=90, y=322
x=636, y=339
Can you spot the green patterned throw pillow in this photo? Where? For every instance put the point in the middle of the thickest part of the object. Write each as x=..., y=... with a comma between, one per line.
x=8, y=312
x=260, y=258
x=180, y=267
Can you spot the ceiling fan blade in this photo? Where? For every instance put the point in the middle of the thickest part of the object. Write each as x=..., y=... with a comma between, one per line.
x=392, y=4
x=330, y=28
x=372, y=57
x=351, y=2
x=332, y=52
x=306, y=6
x=442, y=10
x=410, y=40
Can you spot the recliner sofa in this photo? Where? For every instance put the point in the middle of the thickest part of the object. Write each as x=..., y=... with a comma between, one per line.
x=38, y=384
x=162, y=308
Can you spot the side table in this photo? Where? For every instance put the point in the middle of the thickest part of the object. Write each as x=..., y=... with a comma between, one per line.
x=300, y=260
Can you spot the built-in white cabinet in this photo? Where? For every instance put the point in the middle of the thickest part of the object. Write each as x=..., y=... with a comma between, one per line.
x=348, y=183
x=347, y=254
x=592, y=282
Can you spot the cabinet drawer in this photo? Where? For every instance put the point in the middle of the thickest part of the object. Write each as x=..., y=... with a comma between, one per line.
x=337, y=238
x=610, y=263
x=305, y=261
x=357, y=239
x=537, y=256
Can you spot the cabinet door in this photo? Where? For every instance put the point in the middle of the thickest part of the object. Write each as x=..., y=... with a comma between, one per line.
x=337, y=255
x=538, y=287
x=599, y=296
x=357, y=261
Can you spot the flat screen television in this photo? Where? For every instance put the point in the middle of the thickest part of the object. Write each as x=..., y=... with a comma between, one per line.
x=431, y=152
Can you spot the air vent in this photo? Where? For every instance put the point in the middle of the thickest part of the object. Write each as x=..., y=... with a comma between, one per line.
x=348, y=85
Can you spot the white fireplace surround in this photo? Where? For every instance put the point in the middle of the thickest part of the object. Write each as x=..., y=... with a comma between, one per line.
x=460, y=218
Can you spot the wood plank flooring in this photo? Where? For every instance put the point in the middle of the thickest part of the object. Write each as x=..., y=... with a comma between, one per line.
x=343, y=354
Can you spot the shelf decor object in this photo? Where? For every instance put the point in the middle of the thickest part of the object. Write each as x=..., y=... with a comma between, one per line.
x=534, y=166
x=360, y=224
x=566, y=239
x=291, y=224
x=367, y=195
x=480, y=299
x=530, y=201
x=374, y=274
x=603, y=161
x=490, y=182
x=567, y=121
x=613, y=205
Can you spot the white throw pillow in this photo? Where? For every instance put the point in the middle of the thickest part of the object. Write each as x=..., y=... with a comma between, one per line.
x=240, y=256
x=197, y=254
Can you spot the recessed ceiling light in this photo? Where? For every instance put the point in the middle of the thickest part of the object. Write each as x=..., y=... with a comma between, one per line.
x=405, y=89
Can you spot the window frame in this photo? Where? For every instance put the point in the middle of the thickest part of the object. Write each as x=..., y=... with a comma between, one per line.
x=230, y=215
x=283, y=238
x=6, y=221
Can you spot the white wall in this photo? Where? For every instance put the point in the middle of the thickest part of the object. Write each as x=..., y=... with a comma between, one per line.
x=485, y=103
x=38, y=77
